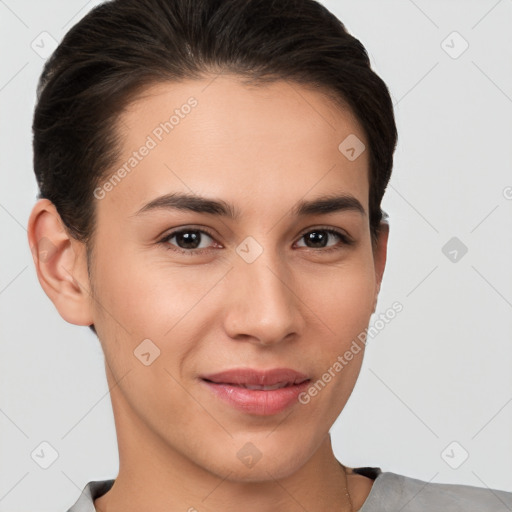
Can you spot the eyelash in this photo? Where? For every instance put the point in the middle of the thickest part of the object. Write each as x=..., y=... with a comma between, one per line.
x=345, y=240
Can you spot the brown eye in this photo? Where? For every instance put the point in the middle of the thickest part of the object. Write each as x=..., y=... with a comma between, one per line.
x=319, y=238
x=191, y=241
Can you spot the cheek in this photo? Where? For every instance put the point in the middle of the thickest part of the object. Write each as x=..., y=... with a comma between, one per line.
x=344, y=296
x=149, y=296
x=344, y=305
x=144, y=326
x=152, y=308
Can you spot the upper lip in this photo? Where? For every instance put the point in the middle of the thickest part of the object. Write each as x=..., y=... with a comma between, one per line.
x=254, y=377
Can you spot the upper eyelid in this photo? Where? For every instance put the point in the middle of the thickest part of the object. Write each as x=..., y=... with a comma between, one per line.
x=176, y=231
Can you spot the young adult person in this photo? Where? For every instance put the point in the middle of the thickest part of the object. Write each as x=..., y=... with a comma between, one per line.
x=211, y=175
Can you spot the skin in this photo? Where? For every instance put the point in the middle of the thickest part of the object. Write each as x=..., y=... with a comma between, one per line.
x=262, y=149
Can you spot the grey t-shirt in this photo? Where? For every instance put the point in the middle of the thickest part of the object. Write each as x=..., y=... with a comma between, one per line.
x=390, y=493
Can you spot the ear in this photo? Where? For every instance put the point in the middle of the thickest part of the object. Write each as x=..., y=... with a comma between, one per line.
x=61, y=264
x=380, y=250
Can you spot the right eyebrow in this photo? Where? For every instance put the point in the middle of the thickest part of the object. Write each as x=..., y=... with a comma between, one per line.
x=190, y=202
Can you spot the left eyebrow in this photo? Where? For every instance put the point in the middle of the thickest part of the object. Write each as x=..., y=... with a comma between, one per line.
x=328, y=204
x=323, y=205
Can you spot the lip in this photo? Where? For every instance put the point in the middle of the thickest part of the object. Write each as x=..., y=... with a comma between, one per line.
x=254, y=377
x=229, y=385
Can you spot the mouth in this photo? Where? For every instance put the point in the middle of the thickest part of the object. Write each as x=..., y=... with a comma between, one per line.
x=258, y=379
x=258, y=392
x=279, y=385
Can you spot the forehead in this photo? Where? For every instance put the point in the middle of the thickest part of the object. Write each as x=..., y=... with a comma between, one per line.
x=217, y=136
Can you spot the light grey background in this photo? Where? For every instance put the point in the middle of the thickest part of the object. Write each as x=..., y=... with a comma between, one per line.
x=439, y=373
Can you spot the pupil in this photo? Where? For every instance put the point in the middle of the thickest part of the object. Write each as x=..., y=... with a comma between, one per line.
x=188, y=238
x=315, y=237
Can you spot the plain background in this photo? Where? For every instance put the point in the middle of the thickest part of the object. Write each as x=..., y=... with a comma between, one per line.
x=436, y=384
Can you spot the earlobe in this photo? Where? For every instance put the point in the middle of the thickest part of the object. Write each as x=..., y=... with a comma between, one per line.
x=60, y=263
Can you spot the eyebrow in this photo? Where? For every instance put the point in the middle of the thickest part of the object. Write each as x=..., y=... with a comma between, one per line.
x=323, y=205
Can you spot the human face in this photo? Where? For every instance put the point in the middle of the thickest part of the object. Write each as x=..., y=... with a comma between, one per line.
x=252, y=291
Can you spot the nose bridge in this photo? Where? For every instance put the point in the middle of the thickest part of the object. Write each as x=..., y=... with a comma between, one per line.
x=263, y=304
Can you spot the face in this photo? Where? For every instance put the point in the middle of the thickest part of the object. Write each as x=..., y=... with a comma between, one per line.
x=263, y=280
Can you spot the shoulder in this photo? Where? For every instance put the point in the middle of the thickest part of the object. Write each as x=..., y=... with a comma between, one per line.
x=92, y=490
x=391, y=492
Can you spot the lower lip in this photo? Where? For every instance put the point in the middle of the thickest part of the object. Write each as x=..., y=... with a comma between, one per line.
x=255, y=401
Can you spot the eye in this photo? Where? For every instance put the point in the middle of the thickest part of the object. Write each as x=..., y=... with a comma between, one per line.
x=188, y=241
x=192, y=241
x=319, y=238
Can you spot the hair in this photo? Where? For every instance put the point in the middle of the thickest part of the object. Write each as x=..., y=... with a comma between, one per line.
x=123, y=46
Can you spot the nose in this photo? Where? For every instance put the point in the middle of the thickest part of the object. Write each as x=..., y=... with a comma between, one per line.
x=263, y=307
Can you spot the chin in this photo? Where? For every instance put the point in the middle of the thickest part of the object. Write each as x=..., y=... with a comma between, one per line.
x=250, y=464
x=262, y=472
